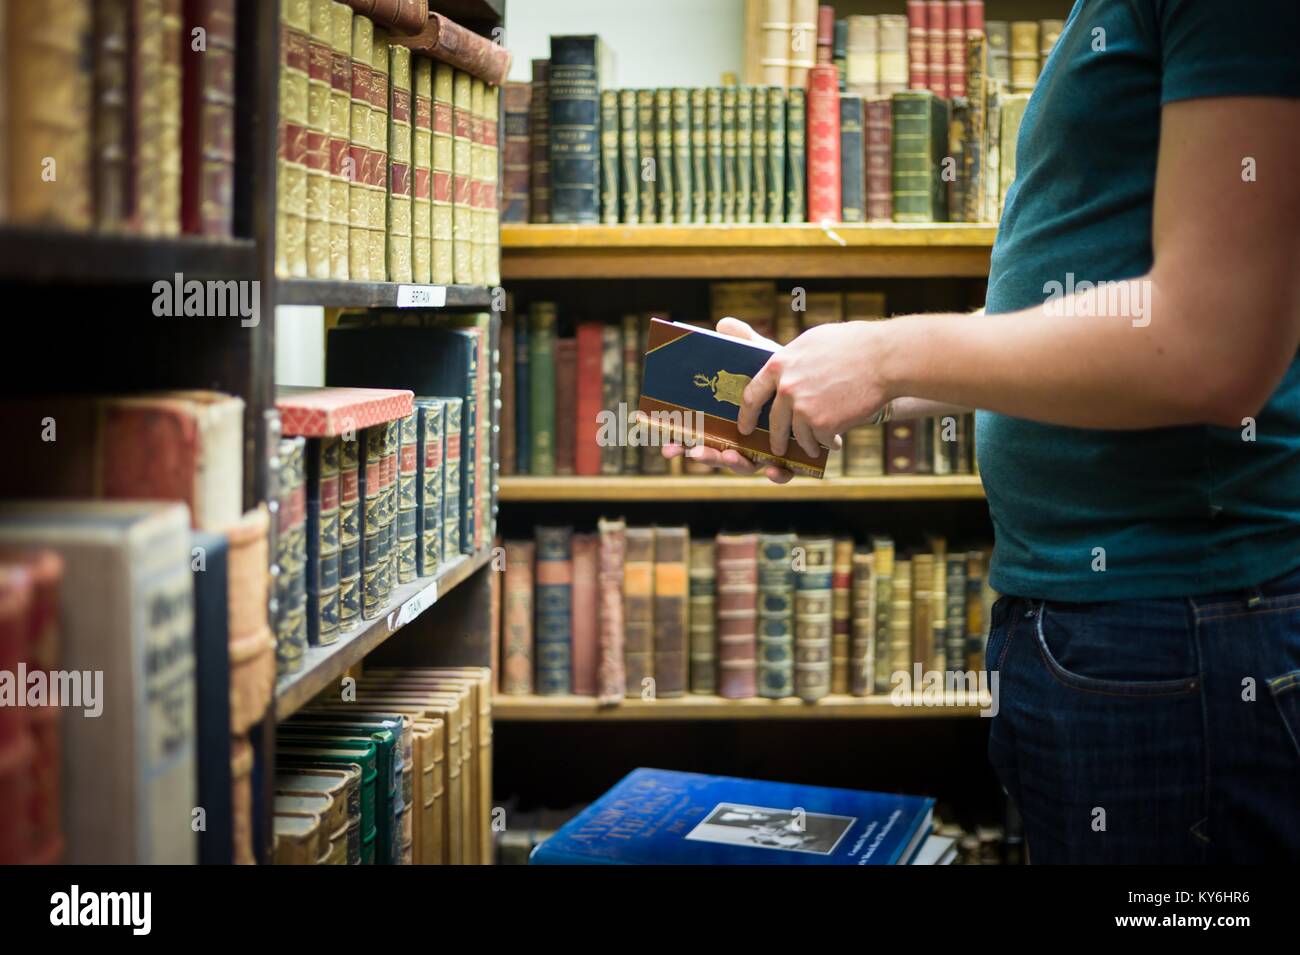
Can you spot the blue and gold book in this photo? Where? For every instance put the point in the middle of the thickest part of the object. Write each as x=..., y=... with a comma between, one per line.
x=691, y=389
x=660, y=817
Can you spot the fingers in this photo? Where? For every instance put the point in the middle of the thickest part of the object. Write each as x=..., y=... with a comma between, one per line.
x=760, y=388
x=780, y=420
x=737, y=462
x=736, y=328
x=671, y=451
x=777, y=475
x=837, y=444
x=803, y=433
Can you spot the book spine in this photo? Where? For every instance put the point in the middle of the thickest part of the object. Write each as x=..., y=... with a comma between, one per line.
x=776, y=615
x=900, y=621
x=540, y=144
x=541, y=372
x=729, y=180
x=566, y=402
x=629, y=153
x=976, y=621
x=651, y=458
x=713, y=154
x=823, y=145
x=737, y=616
x=955, y=596
x=937, y=658
x=957, y=138
x=813, y=619
x=900, y=447
x=862, y=662
x=775, y=63
x=936, y=52
x=481, y=381
x=699, y=155
x=523, y=396
x=359, y=157
x=392, y=456
x=586, y=613
x=744, y=154
x=408, y=498
x=462, y=165
x=610, y=132
x=776, y=147
x=648, y=174
x=759, y=160
x=879, y=162
x=590, y=383
x=631, y=383
x=452, y=468
x=852, y=156
x=507, y=400
x=574, y=88
x=918, y=45
x=862, y=56
x=795, y=169
x=491, y=186
x=431, y=484
x=703, y=632
x=991, y=200
x=973, y=148
x=611, y=678
x=922, y=566
x=291, y=557
x=803, y=41
x=864, y=451
x=323, y=540
x=320, y=69
x=400, y=189
x=638, y=609
x=340, y=138
x=999, y=41
x=840, y=52
x=611, y=377
x=479, y=186
x=912, y=158
x=518, y=112
x=349, y=535
x=683, y=187
x=378, y=194
x=671, y=609
x=882, y=575
x=291, y=190
x=422, y=171
x=665, y=196
x=554, y=596
x=111, y=160
x=955, y=46
x=1025, y=52
x=208, y=118
x=442, y=39
x=841, y=615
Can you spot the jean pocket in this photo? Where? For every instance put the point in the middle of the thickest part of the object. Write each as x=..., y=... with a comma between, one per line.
x=1143, y=649
x=999, y=626
x=1285, y=690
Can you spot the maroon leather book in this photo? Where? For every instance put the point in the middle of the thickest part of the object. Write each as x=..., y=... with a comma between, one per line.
x=517, y=619
x=590, y=398
x=539, y=179
x=400, y=16
x=112, y=134
x=506, y=362
x=515, y=161
x=900, y=447
x=586, y=613
x=464, y=49
x=956, y=45
x=737, y=610
x=672, y=561
x=566, y=405
x=936, y=36
x=611, y=680
x=823, y=144
x=880, y=172
x=208, y=120
x=918, y=45
x=825, y=34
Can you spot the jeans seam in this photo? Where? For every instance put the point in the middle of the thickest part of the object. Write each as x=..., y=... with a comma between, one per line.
x=1206, y=756
x=1267, y=605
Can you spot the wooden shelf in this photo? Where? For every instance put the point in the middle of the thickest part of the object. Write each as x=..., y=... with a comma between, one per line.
x=924, y=487
x=583, y=708
x=841, y=250
x=81, y=258
x=370, y=294
x=323, y=666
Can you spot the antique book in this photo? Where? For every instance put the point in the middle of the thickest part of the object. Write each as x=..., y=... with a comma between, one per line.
x=586, y=613
x=935, y=657
x=936, y=43
x=803, y=41
x=609, y=453
x=813, y=620
x=955, y=611
x=566, y=402
x=448, y=42
x=977, y=622
x=774, y=175
x=360, y=157
x=796, y=155
x=664, y=173
x=609, y=157
x=862, y=638
x=320, y=68
x=775, y=62
x=554, y=596
x=744, y=154
x=611, y=678
x=290, y=575
x=208, y=121
x=378, y=182
x=431, y=483
x=252, y=645
x=478, y=185
x=322, y=494
x=882, y=575
x=759, y=159
x=1025, y=52
x=334, y=831
x=671, y=610
x=955, y=46
x=698, y=139
x=211, y=580
x=683, y=168
x=959, y=118
x=713, y=177
x=443, y=184
x=999, y=57
x=647, y=172
x=652, y=460
x=401, y=16
x=776, y=615
x=400, y=178
x=339, y=139
x=920, y=139
x=517, y=619
x=291, y=190
x=523, y=395
x=1013, y=111
x=306, y=751
x=825, y=35
x=894, y=45
x=168, y=184
x=864, y=451
x=918, y=45
x=517, y=160
x=111, y=142
x=339, y=788
x=973, y=149
x=539, y=185
x=841, y=614
x=901, y=447
x=853, y=194
x=629, y=165
x=840, y=50
x=589, y=384
x=638, y=609
x=631, y=327
x=901, y=620
x=993, y=152
x=729, y=172
x=576, y=67
x=491, y=187
x=421, y=170
x=298, y=837
x=542, y=382
x=462, y=211
x=749, y=301
x=507, y=410
x=127, y=593
x=704, y=407
x=702, y=638
x=862, y=56
x=408, y=481
x=737, y=614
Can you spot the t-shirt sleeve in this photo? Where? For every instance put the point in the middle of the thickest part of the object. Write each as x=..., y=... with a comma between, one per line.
x=1229, y=48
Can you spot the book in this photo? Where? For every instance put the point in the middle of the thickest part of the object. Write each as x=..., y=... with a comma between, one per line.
x=813, y=619
x=399, y=174
x=377, y=193
x=208, y=118
x=655, y=816
x=776, y=615
x=749, y=301
x=796, y=155
x=775, y=26
x=408, y=486
x=671, y=610
x=611, y=678
x=320, y=67
x=647, y=169
x=803, y=41
x=728, y=180
x=322, y=530
x=737, y=614
x=955, y=612
x=523, y=395
x=744, y=154
x=702, y=638
x=360, y=157
x=541, y=388
x=462, y=190
x=554, y=594
x=958, y=120
x=920, y=138
x=999, y=54
x=638, y=609
x=566, y=402
x=955, y=47
x=517, y=619
x=443, y=184
x=540, y=148
x=629, y=156
x=1013, y=111
x=894, y=46
x=439, y=38
x=609, y=157
x=973, y=148
x=862, y=55
x=431, y=483
x=664, y=171
x=339, y=140
x=574, y=102
x=853, y=194
x=699, y=154
x=705, y=406
x=1025, y=51
x=631, y=328
x=918, y=45
x=110, y=162
x=936, y=54
x=841, y=614
x=401, y=16
x=902, y=621
x=589, y=377
x=586, y=614
x=611, y=401
x=862, y=637
x=882, y=577
x=774, y=177
x=516, y=162
x=508, y=410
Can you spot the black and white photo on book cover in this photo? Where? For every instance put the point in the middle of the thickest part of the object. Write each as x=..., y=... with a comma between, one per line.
x=766, y=828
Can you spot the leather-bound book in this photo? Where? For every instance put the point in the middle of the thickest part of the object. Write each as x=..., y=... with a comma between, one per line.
x=955, y=46
x=840, y=50
x=841, y=614
x=796, y=171
x=380, y=81
x=776, y=615
x=775, y=63
x=431, y=484
x=629, y=164
x=864, y=451
x=336, y=788
x=349, y=535
x=609, y=157
x=918, y=45
x=645, y=146
x=1013, y=111
x=652, y=459
x=112, y=120
x=803, y=41
x=290, y=590
x=774, y=177
x=566, y=405
x=813, y=619
x=920, y=143
x=540, y=144
x=713, y=181
x=683, y=170
x=291, y=191
x=631, y=328
x=823, y=145
x=126, y=596
x=542, y=383
x=400, y=172
x=973, y=149
x=699, y=154
x=523, y=395
x=334, y=832
x=862, y=642
x=447, y=41
x=516, y=161
x=589, y=384
x=922, y=566
x=339, y=140
x=408, y=480
x=703, y=639
x=759, y=162
x=611, y=677
x=862, y=57
x=955, y=611
x=729, y=147
x=749, y=301
x=638, y=608
x=360, y=157
x=894, y=45
x=999, y=56
x=937, y=658
x=574, y=84
x=853, y=196
x=508, y=411
x=298, y=838
x=252, y=644
x=586, y=613
x=671, y=609
x=320, y=70
x=737, y=603
x=462, y=164
x=992, y=152
x=825, y=35
x=744, y=154
x=900, y=447
x=401, y=16
x=1025, y=52
x=554, y=597
x=168, y=185
x=322, y=485
x=976, y=620
x=936, y=53
x=959, y=117
x=664, y=181
x=882, y=575
x=517, y=620
x=421, y=170
x=901, y=619
x=443, y=186
x=477, y=183
x=610, y=453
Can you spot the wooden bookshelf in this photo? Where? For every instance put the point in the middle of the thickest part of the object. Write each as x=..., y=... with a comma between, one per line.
x=79, y=258
x=838, y=250
x=374, y=294
x=570, y=709
x=919, y=487
x=324, y=666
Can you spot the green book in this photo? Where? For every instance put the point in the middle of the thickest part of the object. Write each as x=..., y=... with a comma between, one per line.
x=296, y=752
x=699, y=138
x=645, y=137
x=728, y=154
x=776, y=615
x=681, y=125
x=609, y=159
x=629, y=165
x=713, y=165
x=796, y=169
x=541, y=384
x=758, y=195
x=631, y=383
x=920, y=143
x=775, y=154
x=664, y=184
x=744, y=154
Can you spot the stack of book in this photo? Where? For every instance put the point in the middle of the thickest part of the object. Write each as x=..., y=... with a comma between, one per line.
x=651, y=612
x=114, y=120
x=402, y=774
x=388, y=145
x=567, y=403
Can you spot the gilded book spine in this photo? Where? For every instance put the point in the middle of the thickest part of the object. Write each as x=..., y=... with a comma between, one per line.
x=408, y=498
x=611, y=677
x=683, y=186
x=648, y=173
x=541, y=372
x=665, y=185
x=737, y=603
x=744, y=154
x=320, y=69
x=168, y=185
x=776, y=148
x=400, y=186
x=882, y=575
x=795, y=171
x=729, y=154
x=340, y=133
x=713, y=154
x=841, y=615
x=699, y=154
x=291, y=190
x=671, y=607
x=422, y=171
x=554, y=594
x=758, y=185
x=516, y=162
x=703, y=632
x=477, y=182
x=611, y=376
x=349, y=535
x=291, y=557
x=359, y=155
x=378, y=193
x=900, y=624
x=852, y=160
x=462, y=211
x=955, y=612
x=813, y=619
x=609, y=158
x=431, y=485
x=862, y=660
x=629, y=162
x=823, y=145
x=490, y=195
x=452, y=414
x=976, y=622
x=776, y=615
x=112, y=120
x=323, y=539
x=638, y=609
x=442, y=223
x=922, y=565
x=574, y=88
x=540, y=150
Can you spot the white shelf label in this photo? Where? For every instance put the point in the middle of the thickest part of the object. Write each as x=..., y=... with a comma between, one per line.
x=421, y=296
x=417, y=605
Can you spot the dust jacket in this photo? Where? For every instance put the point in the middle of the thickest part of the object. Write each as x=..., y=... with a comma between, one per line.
x=691, y=390
x=661, y=817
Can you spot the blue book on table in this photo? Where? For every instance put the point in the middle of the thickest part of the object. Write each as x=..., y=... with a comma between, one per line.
x=660, y=817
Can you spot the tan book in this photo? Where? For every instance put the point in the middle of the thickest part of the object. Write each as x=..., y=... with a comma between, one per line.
x=1013, y=112
x=169, y=121
x=299, y=837
x=703, y=630
x=751, y=302
x=936, y=660
x=444, y=188
x=882, y=574
x=462, y=213
x=862, y=650
x=517, y=620
x=1049, y=31
x=320, y=69
x=339, y=132
x=775, y=57
x=671, y=610
x=864, y=451
x=900, y=653
x=491, y=198
x=360, y=168
x=400, y=169
x=378, y=193
x=752, y=71
x=803, y=40
x=841, y=615
x=291, y=188
x=813, y=617
x=893, y=54
x=422, y=170
x=477, y=178
x=1024, y=55
x=638, y=608
x=862, y=55
x=922, y=566
x=822, y=308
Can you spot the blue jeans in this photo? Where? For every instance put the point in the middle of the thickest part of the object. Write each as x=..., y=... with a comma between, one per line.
x=1152, y=731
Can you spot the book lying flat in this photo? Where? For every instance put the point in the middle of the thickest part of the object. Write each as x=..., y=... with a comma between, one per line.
x=660, y=817
x=691, y=390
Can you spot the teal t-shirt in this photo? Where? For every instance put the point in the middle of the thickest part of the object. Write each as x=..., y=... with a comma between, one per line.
x=1175, y=511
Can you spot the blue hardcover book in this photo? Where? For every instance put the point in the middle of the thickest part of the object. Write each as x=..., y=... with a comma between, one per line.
x=554, y=597
x=853, y=171
x=212, y=688
x=576, y=67
x=661, y=817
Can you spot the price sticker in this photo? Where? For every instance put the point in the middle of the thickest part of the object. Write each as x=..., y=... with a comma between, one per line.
x=421, y=296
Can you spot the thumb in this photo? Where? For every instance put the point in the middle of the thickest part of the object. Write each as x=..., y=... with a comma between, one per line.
x=736, y=328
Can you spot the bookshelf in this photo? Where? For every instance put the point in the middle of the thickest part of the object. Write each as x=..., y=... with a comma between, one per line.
x=568, y=709
x=376, y=294
x=36, y=255
x=720, y=487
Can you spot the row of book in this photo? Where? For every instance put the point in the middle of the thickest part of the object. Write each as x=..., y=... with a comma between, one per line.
x=387, y=164
x=118, y=116
x=399, y=774
x=651, y=612
x=566, y=401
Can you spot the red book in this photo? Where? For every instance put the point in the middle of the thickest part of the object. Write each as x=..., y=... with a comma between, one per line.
x=956, y=45
x=590, y=386
x=330, y=412
x=208, y=120
x=974, y=17
x=880, y=172
x=737, y=609
x=918, y=45
x=586, y=612
x=566, y=405
x=823, y=144
x=825, y=34
x=937, y=47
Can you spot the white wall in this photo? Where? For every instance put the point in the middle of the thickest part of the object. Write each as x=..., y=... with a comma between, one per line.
x=299, y=345
x=655, y=42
